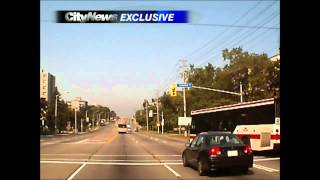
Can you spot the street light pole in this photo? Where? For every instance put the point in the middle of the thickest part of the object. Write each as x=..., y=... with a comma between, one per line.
x=55, y=113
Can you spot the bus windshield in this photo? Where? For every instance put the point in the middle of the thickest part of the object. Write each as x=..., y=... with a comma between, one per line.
x=122, y=126
x=224, y=140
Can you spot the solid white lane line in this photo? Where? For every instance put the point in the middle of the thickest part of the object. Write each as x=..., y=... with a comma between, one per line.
x=107, y=160
x=265, y=168
x=109, y=163
x=175, y=155
x=61, y=162
x=84, y=143
x=170, y=169
x=77, y=171
x=78, y=142
x=266, y=159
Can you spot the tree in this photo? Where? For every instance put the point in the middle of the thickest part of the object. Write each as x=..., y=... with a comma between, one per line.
x=259, y=77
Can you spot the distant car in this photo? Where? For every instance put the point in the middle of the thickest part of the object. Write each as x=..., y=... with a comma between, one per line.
x=129, y=130
x=217, y=150
x=122, y=128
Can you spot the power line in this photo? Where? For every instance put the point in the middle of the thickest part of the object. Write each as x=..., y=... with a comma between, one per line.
x=241, y=35
x=226, y=29
x=229, y=26
x=235, y=26
x=246, y=33
x=254, y=18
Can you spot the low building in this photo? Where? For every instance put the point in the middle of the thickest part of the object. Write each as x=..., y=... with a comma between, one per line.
x=77, y=103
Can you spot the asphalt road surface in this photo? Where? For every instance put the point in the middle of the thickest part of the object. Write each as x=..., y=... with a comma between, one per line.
x=105, y=154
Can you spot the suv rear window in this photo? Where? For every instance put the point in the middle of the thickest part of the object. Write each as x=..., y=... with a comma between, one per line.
x=122, y=126
x=223, y=140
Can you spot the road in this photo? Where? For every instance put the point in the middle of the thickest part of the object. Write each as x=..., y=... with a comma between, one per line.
x=105, y=154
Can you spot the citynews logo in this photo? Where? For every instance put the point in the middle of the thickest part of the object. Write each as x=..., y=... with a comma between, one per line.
x=90, y=16
x=122, y=16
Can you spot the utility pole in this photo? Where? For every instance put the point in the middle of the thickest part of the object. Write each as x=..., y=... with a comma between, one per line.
x=75, y=121
x=93, y=121
x=162, y=122
x=146, y=103
x=183, y=69
x=55, y=114
x=158, y=115
x=81, y=125
x=241, y=94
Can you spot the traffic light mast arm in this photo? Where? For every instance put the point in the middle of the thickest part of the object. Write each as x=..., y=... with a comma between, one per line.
x=217, y=90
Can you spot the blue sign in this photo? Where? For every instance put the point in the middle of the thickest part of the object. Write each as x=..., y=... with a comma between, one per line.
x=135, y=16
x=188, y=85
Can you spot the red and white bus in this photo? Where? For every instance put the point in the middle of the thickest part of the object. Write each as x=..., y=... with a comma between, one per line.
x=256, y=122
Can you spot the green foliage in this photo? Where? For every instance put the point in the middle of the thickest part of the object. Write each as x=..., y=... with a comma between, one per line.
x=65, y=114
x=258, y=75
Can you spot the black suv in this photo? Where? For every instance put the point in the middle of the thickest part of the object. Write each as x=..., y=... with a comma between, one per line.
x=217, y=150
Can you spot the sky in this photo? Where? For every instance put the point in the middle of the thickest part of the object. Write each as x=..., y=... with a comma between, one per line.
x=120, y=65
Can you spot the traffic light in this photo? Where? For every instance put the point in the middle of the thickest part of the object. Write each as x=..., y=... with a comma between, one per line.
x=173, y=90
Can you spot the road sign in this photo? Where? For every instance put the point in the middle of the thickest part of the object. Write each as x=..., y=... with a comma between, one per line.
x=173, y=90
x=185, y=85
x=184, y=121
x=150, y=113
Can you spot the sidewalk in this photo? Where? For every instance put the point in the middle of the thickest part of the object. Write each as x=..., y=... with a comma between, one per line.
x=170, y=136
x=70, y=133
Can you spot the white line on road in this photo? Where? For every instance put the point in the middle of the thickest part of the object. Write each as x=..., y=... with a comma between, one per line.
x=77, y=171
x=266, y=159
x=107, y=160
x=109, y=163
x=265, y=168
x=170, y=169
x=164, y=141
x=175, y=155
x=78, y=142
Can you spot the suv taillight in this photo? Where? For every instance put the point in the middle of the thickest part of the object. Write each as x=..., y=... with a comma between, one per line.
x=214, y=151
x=247, y=149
